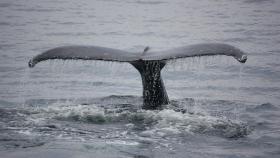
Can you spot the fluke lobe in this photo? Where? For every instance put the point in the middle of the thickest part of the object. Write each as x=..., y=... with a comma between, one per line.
x=148, y=63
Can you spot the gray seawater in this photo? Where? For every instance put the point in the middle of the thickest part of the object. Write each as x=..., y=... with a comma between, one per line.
x=219, y=108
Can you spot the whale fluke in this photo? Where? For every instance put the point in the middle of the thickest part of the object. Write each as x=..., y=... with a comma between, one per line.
x=85, y=53
x=205, y=49
x=148, y=63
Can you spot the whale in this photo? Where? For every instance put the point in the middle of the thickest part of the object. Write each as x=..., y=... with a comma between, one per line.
x=148, y=63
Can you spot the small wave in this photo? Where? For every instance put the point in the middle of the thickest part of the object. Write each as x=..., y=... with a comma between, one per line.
x=112, y=33
x=70, y=23
x=7, y=5
x=17, y=141
x=145, y=34
x=37, y=10
x=2, y=46
x=257, y=1
x=149, y=2
x=234, y=30
x=4, y=5
x=5, y=24
x=71, y=34
x=4, y=103
x=263, y=107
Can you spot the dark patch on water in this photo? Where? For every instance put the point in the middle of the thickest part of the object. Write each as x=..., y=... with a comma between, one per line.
x=72, y=34
x=18, y=141
x=38, y=10
x=263, y=107
x=149, y=2
x=258, y=1
x=4, y=103
x=4, y=24
x=4, y=5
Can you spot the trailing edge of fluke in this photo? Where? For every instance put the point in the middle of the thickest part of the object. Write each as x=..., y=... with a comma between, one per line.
x=148, y=63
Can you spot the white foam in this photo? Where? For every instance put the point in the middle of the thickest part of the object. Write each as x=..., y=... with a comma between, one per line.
x=152, y=123
x=122, y=142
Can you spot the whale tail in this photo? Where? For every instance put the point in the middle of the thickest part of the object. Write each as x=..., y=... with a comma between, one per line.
x=149, y=65
x=154, y=93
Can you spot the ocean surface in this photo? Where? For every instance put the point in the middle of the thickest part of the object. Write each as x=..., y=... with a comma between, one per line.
x=219, y=108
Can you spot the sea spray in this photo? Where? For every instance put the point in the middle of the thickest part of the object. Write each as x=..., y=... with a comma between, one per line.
x=149, y=123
